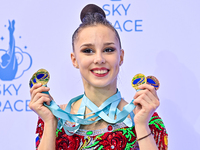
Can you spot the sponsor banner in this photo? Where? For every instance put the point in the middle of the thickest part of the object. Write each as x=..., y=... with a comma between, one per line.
x=15, y=62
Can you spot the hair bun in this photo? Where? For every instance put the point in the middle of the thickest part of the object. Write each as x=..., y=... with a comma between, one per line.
x=91, y=8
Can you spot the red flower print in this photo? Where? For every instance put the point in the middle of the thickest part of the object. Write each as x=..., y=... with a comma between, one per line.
x=65, y=142
x=113, y=140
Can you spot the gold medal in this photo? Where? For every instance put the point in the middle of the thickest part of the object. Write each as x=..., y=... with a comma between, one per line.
x=153, y=81
x=138, y=80
x=41, y=76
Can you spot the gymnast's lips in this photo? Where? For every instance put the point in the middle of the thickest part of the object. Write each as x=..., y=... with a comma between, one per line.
x=100, y=72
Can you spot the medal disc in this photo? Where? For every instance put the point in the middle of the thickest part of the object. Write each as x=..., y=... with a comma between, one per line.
x=153, y=81
x=138, y=80
x=41, y=76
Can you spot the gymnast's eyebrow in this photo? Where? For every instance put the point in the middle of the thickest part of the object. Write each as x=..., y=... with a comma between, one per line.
x=89, y=44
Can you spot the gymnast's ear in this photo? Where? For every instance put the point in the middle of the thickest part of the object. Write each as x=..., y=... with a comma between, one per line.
x=121, y=57
x=74, y=61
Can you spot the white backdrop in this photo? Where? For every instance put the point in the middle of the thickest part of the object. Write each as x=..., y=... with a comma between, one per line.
x=160, y=38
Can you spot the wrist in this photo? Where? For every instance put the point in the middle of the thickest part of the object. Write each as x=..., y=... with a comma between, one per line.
x=139, y=139
x=51, y=122
x=142, y=130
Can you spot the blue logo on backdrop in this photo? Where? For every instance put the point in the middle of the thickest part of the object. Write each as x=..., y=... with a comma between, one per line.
x=121, y=10
x=13, y=63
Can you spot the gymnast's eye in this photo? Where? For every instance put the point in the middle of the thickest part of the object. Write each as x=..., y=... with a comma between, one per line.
x=109, y=50
x=87, y=50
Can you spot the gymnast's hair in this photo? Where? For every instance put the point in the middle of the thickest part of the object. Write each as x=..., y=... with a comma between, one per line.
x=92, y=15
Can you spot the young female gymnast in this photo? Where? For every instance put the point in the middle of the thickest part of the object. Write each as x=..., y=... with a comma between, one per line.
x=97, y=53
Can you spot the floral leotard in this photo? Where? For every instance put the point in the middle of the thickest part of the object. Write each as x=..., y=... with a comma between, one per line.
x=114, y=137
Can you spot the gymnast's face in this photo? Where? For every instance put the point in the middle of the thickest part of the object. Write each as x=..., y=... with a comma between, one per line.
x=98, y=56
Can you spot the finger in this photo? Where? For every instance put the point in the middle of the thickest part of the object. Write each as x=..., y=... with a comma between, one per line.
x=35, y=86
x=146, y=92
x=39, y=102
x=39, y=90
x=143, y=96
x=141, y=103
x=43, y=99
x=38, y=96
x=149, y=87
x=145, y=105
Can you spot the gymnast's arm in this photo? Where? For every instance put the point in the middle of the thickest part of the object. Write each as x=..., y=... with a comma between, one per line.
x=146, y=102
x=48, y=140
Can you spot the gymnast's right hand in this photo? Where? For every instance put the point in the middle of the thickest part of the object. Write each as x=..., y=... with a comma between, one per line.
x=37, y=100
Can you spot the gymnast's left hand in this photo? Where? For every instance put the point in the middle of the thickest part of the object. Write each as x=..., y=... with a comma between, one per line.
x=146, y=102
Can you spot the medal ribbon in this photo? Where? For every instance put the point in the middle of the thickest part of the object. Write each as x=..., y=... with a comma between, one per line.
x=107, y=111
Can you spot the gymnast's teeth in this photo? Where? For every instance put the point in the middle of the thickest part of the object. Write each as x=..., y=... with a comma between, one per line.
x=100, y=71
